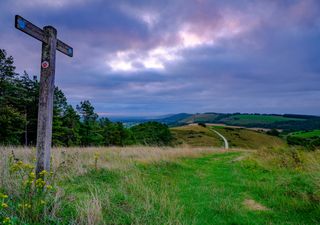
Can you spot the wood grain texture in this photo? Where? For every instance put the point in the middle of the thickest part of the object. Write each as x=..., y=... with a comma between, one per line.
x=45, y=111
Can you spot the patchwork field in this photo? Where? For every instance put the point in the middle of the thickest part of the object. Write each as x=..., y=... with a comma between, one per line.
x=173, y=186
x=306, y=134
x=245, y=120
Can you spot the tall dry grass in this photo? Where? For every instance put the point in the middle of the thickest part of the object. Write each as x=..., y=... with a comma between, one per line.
x=70, y=163
x=77, y=160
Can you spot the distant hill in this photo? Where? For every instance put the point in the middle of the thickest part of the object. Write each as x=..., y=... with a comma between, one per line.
x=175, y=119
x=287, y=122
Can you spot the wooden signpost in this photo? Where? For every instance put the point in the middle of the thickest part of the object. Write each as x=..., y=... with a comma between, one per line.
x=50, y=43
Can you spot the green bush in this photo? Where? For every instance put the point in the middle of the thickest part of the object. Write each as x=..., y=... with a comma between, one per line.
x=152, y=133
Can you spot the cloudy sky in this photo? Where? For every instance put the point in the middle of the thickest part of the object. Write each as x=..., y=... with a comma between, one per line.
x=151, y=57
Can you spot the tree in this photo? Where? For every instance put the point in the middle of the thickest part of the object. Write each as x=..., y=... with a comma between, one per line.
x=71, y=123
x=114, y=134
x=89, y=129
x=11, y=120
x=152, y=133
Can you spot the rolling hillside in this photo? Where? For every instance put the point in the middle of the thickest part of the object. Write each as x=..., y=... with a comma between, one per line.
x=244, y=138
x=194, y=135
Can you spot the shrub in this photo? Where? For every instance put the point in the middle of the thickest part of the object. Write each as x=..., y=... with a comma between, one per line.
x=31, y=199
x=202, y=124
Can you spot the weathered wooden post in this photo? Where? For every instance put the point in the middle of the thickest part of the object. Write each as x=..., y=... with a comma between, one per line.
x=48, y=37
x=44, y=131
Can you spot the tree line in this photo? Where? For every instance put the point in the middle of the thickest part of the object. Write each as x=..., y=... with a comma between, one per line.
x=79, y=126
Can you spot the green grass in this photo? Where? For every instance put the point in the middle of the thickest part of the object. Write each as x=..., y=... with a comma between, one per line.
x=306, y=134
x=143, y=185
x=243, y=120
x=206, y=190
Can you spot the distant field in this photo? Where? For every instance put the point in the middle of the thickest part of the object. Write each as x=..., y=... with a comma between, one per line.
x=144, y=185
x=244, y=120
x=194, y=135
x=306, y=134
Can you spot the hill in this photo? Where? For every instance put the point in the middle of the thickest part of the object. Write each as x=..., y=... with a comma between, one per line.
x=287, y=122
x=248, y=139
x=195, y=135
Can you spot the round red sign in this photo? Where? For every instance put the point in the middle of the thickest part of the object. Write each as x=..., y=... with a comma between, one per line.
x=45, y=64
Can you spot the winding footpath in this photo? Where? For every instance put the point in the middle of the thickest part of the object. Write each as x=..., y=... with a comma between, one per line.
x=226, y=144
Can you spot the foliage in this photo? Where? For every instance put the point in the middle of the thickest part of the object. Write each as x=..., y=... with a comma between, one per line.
x=273, y=132
x=151, y=133
x=310, y=143
x=19, y=112
x=33, y=199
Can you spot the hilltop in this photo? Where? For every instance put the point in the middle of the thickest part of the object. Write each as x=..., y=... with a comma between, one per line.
x=199, y=136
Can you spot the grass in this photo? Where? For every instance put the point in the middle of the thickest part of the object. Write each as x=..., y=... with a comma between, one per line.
x=306, y=134
x=182, y=185
x=243, y=120
x=244, y=138
x=195, y=136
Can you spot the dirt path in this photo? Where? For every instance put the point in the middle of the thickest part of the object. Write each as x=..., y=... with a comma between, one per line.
x=226, y=144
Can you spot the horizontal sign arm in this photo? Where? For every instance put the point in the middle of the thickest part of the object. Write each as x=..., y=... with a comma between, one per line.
x=36, y=32
x=30, y=29
x=64, y=48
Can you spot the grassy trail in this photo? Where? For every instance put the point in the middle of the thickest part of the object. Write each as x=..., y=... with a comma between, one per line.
x=211, y=189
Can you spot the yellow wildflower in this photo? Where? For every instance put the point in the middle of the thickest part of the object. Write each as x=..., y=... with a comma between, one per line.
x=43, y=172
x=3, y=195
x=40, y=183
x=32, y=175
x=49, y=187
x=4, y=205
x=28, y=166
x=96, y=155
x=28, y=206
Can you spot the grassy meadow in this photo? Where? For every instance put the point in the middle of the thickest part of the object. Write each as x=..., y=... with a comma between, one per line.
x=145, y=185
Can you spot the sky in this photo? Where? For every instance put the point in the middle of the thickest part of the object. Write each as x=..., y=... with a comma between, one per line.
x=151, y=57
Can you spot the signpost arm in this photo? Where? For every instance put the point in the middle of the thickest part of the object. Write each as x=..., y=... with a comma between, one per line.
x=45, y=111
